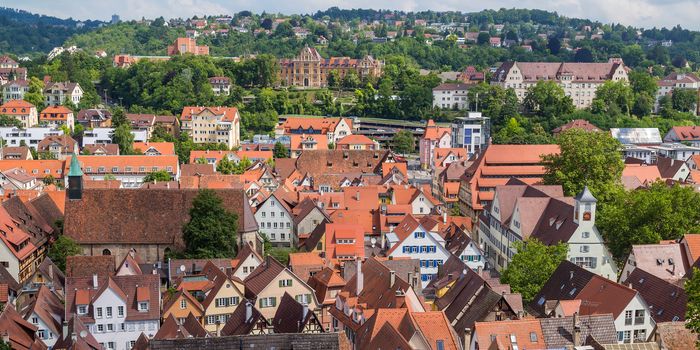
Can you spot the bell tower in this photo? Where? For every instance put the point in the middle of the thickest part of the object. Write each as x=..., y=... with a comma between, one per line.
x=75, y=179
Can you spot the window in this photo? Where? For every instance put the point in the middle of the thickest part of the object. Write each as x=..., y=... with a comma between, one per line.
x=120, y=311
x=82, y=309
x=211, y=319
x=110, y=345
x=585, y=234
x=285, y=283
x=41, y=334
x=268, y=302
x=626, y=336
x=183, y=304
x=303, y=298
x=639, y=317
x=585, y=249
x=100, y=328
x=440, y=344
x=99, y=312
x=110, y=327
x=533, y=337
x=109, y=312
x=628, y=318
x=640, y=335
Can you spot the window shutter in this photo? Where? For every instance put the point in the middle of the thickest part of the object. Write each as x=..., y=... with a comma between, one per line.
x=274, y=301
x=280, y=282
x=261, y=303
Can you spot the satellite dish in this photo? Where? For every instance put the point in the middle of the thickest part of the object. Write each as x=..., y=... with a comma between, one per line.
x=182, y=268
x=373, y=241
x=83, y=334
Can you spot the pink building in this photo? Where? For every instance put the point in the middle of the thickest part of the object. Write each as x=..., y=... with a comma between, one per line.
x=434, y=137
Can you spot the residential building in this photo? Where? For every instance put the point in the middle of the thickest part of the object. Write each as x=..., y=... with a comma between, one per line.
x=94, y=118
x=667, y=300
x=220, y=85
x=470, y=76
x=275, y=218
x=21, y=110
x=212, y=125
x=18, y=252
x=223, y=298
x=357, y=142
x=460, y=244
x=56, y=116
x=446, y=183
x=579, y=80
x=31, y=136
x=637, y=136
x=302, y=143
x=115, y=309
x=246, y=320
x=98, y=136
x=472, y=133
x=248, y=260
x=7, y=62
x=14, y=90
x=344, y=242
x=130, y=170
x=511, y=334
x=410, y=239
x=46, y=313
x=293, y=316
x=307, y=216
x=334, y=128
x=183, y=46
x=19, y=333
x=15, y=153
x=155, y=148
x=309, y=69
x=664, y=260
x=496, y=166
x=405, y=329
x=433, y=137
x=451, y=96
x=520, y=211
x=677, y=80
x=58, y=146
x=268, y=283
x=142, y=122
x=172, y=328
x=56, y=93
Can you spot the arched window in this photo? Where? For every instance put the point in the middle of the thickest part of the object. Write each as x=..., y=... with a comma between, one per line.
x=106, y=252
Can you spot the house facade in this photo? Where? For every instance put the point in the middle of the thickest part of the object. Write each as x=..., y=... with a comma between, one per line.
x=212, y=125
x=451, y=96
x=276, y=221
x=433, y=137
x=309, y=69
x=14, y=90
x=57, y=116
x=579, y=80
x=21, y=110
x=58, y=92
x=472, y=132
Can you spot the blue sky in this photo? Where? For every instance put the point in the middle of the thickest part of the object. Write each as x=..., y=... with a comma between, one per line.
x=643, y=13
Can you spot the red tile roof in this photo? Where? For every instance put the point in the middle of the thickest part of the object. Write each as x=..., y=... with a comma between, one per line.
x=164, y=148
x=229, y=114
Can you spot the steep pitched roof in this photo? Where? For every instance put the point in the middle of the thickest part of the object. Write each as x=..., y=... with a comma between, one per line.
x=602, y=296
x=667, y=302
x=262, y=276
x=292, y=317
x=22, y=334
x=240, y=323
x=559, y=332
x=565, y=283
x=84, y=340
x=87, y=265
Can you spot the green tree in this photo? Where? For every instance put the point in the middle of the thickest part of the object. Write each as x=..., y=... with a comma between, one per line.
x=643, y=82
x=684, y=100
x=334, y=80
x=6, y=120
x=585, y=159
x=647, y=216
x=111, y=177
x=483, y=38
x=160, y=175
x=613, y=98
x=226, y=166
x=692, y=290
x=63, y=247
x=49, y=180
x=119, y=117
x=548, y=100
x=35, y=94
x=211, y=230
x=242, y=166
x=351, y=80
x=532, y=266
x=643, y=103
x=404, y=142
x=124, y=138
x=280, y=151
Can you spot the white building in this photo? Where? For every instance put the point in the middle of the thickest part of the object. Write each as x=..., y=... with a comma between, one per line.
x=276, y=221
x=104, y=135
x=676, y=80
x=579, y=80
x=520, y=211
x=116, y=309
x=451, y=96
x=472, y=133
x=31, y=136
x=14, y=90
x=212, y=125
x=411, y=240
x=57, y=93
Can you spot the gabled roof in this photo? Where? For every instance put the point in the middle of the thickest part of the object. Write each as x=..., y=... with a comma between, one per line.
x=218, y=278
x=565, y=283
x=667, y=301
x=262, y=276
x=22, y=334
x=665, y=261
x=87, y=265
x=558, y=332
x=527, y=334
x=602, y=296
x=292, y=317
x=675, y=335
x=239, y=323
x=48, y=307
x=171, y=329
x=172, y=300
x=84, y=340
x=228, y=114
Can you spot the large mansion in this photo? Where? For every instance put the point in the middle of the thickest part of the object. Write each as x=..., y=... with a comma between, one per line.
x=309, y=69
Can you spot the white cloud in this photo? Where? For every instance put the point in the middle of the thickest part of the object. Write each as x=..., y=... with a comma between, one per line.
x=641, y=13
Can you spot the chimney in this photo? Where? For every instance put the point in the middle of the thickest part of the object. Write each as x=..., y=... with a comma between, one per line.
x=305, y=312
x=248, y=311
x=94, y=280
x=360, y=278
x=400, y=298
x=577, y=330
x=444, y=217
x=64, y=334
x=467, y=338
x=392, y=278
x=51, y=272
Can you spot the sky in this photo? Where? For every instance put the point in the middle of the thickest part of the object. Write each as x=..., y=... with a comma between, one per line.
x=639, y=13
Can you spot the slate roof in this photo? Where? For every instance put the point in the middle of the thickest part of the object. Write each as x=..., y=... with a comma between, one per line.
x=237, y=324
x=666, y=301
x=564, y=284
x=143, y=216
x=559, y=332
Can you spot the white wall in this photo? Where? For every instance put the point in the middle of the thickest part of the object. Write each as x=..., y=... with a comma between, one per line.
x=431, y=240
x=648, y=325
x=271, y=212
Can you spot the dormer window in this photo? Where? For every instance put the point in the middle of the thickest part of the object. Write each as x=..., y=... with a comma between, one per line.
x=82, y=309
x=143, y=306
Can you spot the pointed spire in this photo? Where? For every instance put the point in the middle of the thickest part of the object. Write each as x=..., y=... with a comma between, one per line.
x=586, y=196
x=74, y=167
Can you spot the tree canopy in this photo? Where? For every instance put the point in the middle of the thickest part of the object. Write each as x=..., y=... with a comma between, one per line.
x=404, y=142
x=60, y=249
x=211, y=230
x=532, y=266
